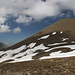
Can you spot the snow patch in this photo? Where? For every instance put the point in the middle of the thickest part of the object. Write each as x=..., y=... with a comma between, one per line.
x=31, y=45
x=9, y=53
x=44, y=37
x=61, y=32
x=58, y=54
x=72, y=41
x=66, y=46
x=57, y=44
x=64, y=39
x=53, y=33
x=24, y=56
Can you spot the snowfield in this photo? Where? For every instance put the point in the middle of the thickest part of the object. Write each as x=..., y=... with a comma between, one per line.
x=58, y=54
x=26, y=53
x=25, y=56
x=29, y=53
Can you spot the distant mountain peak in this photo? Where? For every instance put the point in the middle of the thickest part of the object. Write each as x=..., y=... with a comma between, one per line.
x=3, y=46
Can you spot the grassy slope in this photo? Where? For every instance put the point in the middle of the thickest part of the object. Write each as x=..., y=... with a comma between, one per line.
x=59, y=66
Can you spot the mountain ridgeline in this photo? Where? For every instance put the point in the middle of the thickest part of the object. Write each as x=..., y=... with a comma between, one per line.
x=65, y=25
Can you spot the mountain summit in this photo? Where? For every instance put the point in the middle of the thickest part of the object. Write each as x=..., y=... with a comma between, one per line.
x=55, y=41
x=3, y=46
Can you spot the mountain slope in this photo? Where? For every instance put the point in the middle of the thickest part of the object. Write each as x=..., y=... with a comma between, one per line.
x=67, y=25
x=55, y=41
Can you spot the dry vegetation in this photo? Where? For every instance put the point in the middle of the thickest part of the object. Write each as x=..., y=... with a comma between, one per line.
x=59, y=66
x=66, y=25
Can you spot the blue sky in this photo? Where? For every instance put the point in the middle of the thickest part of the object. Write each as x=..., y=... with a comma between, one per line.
x=21, y=18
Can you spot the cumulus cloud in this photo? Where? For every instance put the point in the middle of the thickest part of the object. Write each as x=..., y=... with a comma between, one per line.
x=42, y=10
x=2, y=20
x=16, y=30
x=4, y=28
x=26, y=10
x=24, y=19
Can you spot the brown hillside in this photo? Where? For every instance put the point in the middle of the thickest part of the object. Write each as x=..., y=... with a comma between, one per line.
x=61, y=66
x=51, y=51
x=66, y=25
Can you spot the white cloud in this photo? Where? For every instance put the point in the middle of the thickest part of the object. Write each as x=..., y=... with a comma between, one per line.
x=43, y=9
x=24, y=19
x=36, y=9
x=4, y=28
x=17, y=30
x=2, y=20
